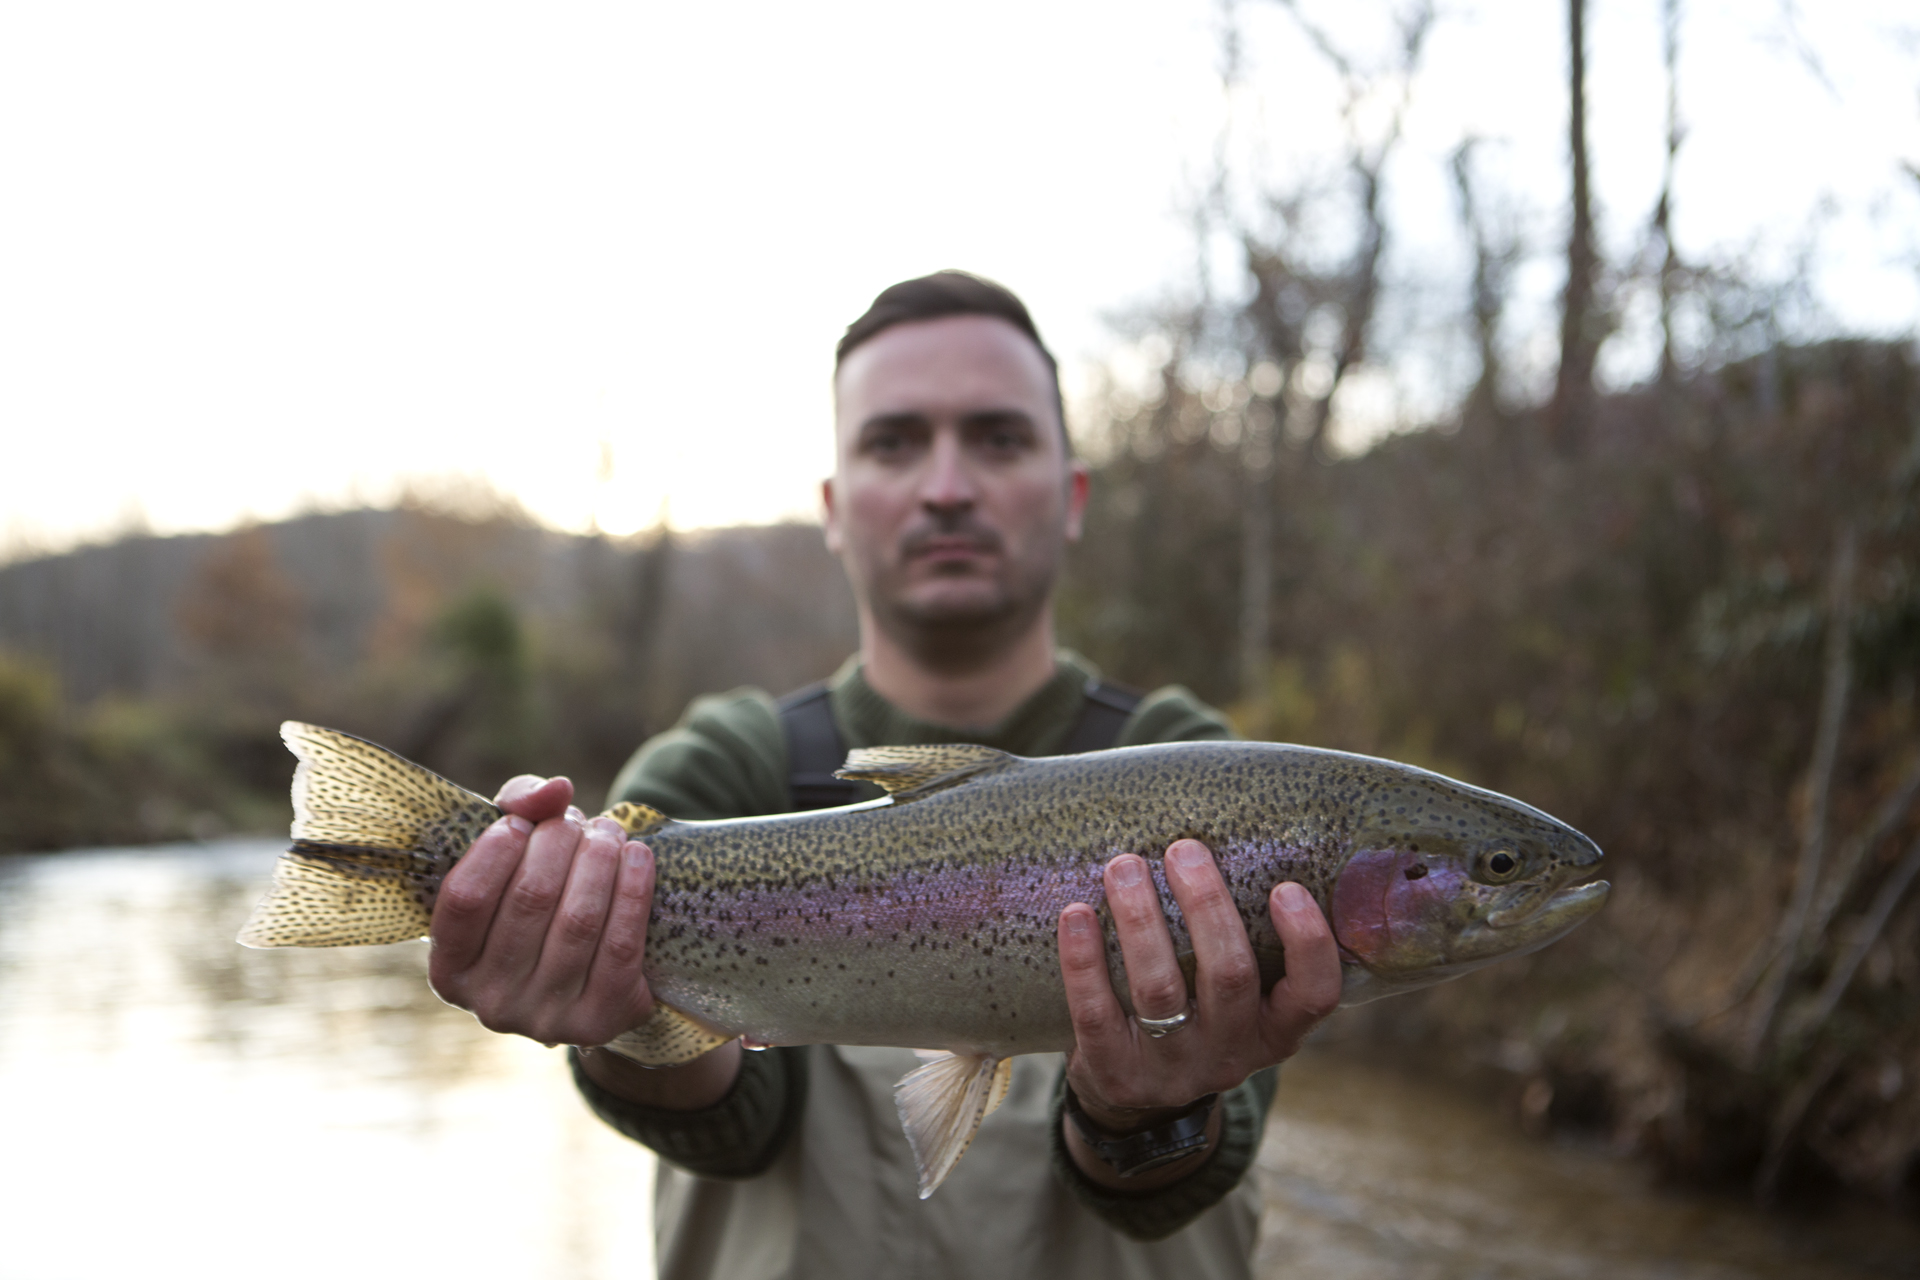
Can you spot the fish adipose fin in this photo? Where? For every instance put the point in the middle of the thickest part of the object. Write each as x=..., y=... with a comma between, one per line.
x=373, y=834
x=907, y=773
x=942, y=1104
x=667, y=1039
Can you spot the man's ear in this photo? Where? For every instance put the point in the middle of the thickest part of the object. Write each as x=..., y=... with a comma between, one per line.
x=829, y=523
x=1079, y=483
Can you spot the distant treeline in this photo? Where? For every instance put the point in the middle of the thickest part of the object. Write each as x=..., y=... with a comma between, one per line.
x=141, y=683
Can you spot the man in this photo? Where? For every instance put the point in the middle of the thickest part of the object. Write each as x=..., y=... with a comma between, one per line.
x=953, y=498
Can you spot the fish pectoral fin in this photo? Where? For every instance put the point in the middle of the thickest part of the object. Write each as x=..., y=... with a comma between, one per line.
x=941, y=1106
x=907, y=773
x=667, y=1039
x=640, y=820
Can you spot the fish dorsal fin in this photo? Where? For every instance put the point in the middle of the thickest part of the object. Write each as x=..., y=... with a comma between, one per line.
x=640, y=820
x=907, y=773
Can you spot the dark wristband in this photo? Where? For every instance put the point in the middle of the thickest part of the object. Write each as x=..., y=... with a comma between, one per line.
x=1133, y=1153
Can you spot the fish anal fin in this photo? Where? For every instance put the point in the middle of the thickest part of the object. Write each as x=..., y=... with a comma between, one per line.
x=667, y=1039
x=1002, y=1081
x=640, y=820
x=907, y=773
x=941, y=1105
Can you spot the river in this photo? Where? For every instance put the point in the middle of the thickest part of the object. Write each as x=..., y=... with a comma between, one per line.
x=174, y=1104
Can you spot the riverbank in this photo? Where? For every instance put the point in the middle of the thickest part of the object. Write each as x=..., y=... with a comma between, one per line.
x=1375, y=1170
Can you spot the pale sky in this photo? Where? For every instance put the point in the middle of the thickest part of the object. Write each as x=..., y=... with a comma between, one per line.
x=256, y=257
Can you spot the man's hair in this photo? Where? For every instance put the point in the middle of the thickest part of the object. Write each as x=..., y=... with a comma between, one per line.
x=949, y=293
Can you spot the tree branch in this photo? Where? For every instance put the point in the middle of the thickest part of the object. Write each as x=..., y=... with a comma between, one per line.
x=1826, y=749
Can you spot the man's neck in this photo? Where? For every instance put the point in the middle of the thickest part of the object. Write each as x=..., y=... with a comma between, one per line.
x=978, y=697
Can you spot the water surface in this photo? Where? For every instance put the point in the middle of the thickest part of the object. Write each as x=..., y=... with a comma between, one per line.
x=174, y=1104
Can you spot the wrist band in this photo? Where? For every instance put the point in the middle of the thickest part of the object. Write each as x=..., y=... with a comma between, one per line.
x=1135, y=1153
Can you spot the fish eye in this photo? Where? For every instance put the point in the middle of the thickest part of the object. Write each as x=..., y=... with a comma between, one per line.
x=1499, y=865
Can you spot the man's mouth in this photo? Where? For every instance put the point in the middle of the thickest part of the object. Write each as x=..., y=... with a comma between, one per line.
x=936, y=548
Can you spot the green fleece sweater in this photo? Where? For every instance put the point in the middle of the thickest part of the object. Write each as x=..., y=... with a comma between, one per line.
x=727, y=758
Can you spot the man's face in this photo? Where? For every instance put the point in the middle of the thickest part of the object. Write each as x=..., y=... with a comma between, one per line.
x=953, y=494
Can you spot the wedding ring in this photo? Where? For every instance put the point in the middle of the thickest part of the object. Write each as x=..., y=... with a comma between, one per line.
x=1158, y=1027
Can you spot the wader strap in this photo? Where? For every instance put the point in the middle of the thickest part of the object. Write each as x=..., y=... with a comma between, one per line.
x=1100, y=722
x=815, y=748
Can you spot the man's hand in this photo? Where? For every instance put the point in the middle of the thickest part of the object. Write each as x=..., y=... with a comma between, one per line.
x=540, y=928
x=540, y=931
x=1124, y=1078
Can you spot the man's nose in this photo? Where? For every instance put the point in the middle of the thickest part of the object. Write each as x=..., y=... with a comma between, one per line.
x=947, y=484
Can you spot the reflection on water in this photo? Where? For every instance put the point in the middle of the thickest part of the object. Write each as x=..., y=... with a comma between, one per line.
x=173, y=1104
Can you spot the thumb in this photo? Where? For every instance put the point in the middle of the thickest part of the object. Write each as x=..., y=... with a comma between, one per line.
x=535, y=799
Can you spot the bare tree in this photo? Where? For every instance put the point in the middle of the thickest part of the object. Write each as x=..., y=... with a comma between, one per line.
x=1663, y=208
x=1291, y=289
x=1356, y=289
x=1496, y=252
x=1581, y=323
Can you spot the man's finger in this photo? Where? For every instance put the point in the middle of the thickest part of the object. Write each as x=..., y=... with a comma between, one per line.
x=1154, y=979
x=1226, y=977
x=532, y=897
x=566, y=955
x=616, y=991
x=1099, y=1024
x=1311, y=988
x=470, y=895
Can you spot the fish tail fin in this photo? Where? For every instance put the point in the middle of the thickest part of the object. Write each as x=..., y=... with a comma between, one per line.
x=941, y=1105
x=373, y=836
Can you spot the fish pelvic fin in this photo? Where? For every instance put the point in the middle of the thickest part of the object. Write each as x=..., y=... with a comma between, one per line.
x=667, y=1039
x=373, y=836
x=907, y=773
x=942, y=1103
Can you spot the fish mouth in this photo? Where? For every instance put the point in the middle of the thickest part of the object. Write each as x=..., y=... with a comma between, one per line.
x=1526, y=927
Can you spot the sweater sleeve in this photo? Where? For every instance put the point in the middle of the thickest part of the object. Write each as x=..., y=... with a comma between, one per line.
x=739, y=1136
x=1157, y=1214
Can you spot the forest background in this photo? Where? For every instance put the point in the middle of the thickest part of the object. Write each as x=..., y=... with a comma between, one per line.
x=1683, y=614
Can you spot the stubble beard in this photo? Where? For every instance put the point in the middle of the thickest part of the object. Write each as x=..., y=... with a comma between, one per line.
x=955, y=637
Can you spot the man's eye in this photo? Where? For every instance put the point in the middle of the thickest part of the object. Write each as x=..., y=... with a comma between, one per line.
x=888, y=444
x=1003, y=439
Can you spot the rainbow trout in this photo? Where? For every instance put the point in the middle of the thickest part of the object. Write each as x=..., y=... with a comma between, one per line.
x=928, y=918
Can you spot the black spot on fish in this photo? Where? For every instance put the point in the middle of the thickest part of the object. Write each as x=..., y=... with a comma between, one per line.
x=1416, y=872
